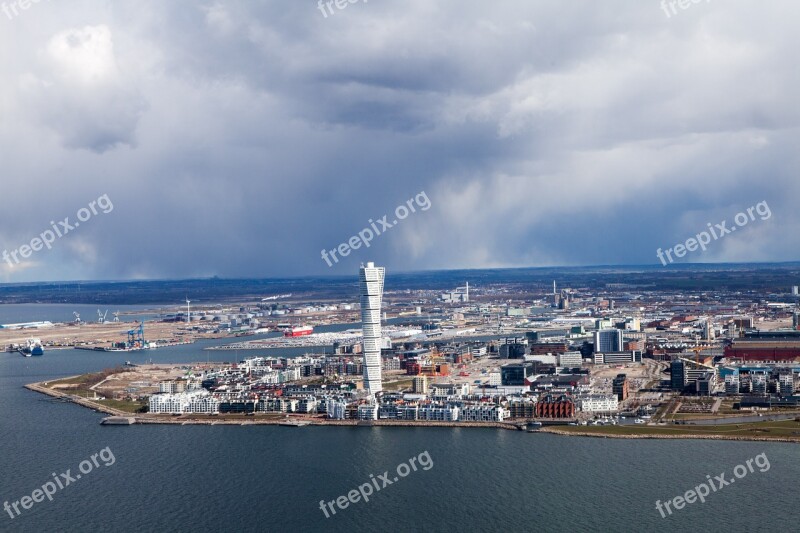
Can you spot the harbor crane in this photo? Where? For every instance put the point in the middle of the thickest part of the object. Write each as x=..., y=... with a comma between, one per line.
x=77, y=317
x=136, y=338
x=101, y=317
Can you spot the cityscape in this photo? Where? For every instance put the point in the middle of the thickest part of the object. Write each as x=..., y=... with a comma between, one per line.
x=617, y=360
x=350, y=266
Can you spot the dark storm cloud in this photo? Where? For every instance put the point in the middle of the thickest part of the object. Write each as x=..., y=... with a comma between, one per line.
x=241, y=138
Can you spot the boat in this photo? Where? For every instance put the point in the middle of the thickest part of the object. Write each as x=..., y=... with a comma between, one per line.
x=533, y=426
x=298, y=331
x=32, y=347
x=639, y=421
x=36, y=347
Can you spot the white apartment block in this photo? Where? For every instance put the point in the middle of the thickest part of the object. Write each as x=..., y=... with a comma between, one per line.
x=336, y=409
x=483, y=413
x=444, y=414
x=598, y=404
x=184, y=402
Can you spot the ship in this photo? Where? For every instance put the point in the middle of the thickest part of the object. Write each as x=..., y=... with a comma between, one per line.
x=298, y=331
x=32, y=347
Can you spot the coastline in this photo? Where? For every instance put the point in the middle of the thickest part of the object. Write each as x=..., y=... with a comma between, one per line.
x=250, y=421
x=301, y=421
x=563, y=432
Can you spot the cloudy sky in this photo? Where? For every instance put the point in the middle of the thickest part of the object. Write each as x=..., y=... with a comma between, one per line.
x=240, y=138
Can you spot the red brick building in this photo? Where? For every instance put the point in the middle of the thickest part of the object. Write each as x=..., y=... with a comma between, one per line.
x=551, y=406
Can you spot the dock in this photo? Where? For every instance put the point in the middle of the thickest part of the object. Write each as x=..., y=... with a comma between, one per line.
x=118, y=421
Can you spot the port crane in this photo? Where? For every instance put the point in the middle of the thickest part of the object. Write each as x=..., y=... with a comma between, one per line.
x=136, y=338
x=101, y=317
x=116, y=316
x=77, y=317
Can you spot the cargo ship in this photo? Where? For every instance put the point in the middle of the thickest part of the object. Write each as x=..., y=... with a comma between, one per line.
x=298, y=331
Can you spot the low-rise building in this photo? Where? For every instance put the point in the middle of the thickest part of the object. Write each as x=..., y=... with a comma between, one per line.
x=483, y=412
x=553, y=406
x=597, y=403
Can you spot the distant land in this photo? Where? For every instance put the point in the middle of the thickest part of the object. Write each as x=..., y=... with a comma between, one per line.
x=764, y=278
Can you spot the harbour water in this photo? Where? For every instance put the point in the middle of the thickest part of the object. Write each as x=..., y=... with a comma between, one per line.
x=19, y=313
x=265, y=478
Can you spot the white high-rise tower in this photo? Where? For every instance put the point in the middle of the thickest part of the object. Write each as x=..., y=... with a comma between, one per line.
x=371, y=290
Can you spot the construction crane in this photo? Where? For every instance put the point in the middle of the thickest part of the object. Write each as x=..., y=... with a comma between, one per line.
x=697, y=350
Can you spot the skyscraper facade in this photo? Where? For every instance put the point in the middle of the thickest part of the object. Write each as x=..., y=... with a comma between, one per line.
x=371, y=290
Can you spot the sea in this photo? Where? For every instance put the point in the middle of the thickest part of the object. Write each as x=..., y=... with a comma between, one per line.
x=264, y=478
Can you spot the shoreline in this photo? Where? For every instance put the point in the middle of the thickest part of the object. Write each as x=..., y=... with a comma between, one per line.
x=562, y=432
x=300, y=422
x=253, y=421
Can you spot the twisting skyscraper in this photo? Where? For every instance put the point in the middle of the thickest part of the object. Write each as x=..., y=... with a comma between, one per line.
x=371, y=290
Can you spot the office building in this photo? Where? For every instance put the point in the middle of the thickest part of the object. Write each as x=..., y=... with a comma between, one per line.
x=516, y=375
x=608, y=340
x=677, y=374
x=617, y=358
x=570, y=359
x=371, y=292
x=513, y=348
x=620, y=387
x=706, y=383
